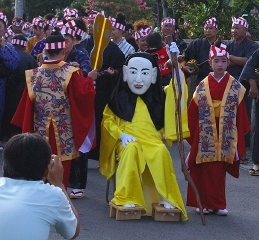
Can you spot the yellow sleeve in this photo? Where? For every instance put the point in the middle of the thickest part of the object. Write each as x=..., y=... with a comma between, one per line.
x=110, y=133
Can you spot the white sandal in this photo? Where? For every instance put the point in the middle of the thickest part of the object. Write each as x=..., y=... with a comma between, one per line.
x=77, y=193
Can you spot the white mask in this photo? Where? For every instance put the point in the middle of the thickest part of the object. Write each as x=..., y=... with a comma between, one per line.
x=139, y=74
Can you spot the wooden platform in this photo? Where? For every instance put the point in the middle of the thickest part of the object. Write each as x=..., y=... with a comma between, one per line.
x=124, y=213
x=159, y=213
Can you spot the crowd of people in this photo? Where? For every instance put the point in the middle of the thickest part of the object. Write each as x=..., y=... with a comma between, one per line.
x=56, y=113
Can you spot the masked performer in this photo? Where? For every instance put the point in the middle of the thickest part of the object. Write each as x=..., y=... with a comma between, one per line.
x=133, y=125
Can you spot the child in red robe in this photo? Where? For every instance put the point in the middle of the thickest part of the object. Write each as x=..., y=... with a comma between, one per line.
x=218, y=121
x=58, y=103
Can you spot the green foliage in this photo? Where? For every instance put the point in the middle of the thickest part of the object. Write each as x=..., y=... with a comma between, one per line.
x=223, y=12
x=7, y=7
x=36, y=8
x=133, y=9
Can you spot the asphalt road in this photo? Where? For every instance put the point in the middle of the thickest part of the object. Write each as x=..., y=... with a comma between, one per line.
x=241, y=223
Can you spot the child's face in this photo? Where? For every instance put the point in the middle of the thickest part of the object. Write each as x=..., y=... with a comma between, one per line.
x=219, y=65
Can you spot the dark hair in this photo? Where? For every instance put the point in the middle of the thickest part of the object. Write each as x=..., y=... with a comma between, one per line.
x=20, y=36
x=26, y=156
x=154, y=40
x=120, y=18
x=218, y=42
x=49, y=16
x=81, y=25
x=129, y=26
x=45, y=28
x=36, y=27
x=55, y=36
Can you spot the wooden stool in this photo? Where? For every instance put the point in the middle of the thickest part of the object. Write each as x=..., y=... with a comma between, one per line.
x=159, y=213
x=124, y=213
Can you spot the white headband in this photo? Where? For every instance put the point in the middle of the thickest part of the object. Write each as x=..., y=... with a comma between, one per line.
x=220, y=52
x=56, y=45
x=116, y=24
x=168, y=21
x=240, y=21
x=19, y=42
x=143, y=32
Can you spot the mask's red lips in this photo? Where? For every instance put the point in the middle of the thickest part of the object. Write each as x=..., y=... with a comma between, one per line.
x=138, y=86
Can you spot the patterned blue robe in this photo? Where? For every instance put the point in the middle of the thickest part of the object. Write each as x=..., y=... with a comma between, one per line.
x=9, y=60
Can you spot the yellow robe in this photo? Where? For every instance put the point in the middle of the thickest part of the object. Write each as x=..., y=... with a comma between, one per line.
x=145, y=171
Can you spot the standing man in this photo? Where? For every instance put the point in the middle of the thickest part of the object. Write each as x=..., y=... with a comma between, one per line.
x=17, y=25
x=113, y=59
x=240, y=49
x=199, y=50
x=168, y=29
x=248, y=75
x=118, y=28
x=9, y=60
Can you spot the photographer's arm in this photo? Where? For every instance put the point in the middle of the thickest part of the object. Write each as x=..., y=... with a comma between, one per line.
x=55, y=177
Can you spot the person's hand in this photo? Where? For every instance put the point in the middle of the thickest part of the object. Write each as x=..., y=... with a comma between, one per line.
x=2, y=42
x=109, y=71
x=55, y=175
x=253, y=92
x=75, y=64
x=93, y=74
x=174, y=49
x=125, y=139
x=188, y=69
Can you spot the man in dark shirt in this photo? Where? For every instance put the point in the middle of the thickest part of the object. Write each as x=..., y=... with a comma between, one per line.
x=248, y=75
x=113, y=59
x=168, y=29
x=240, y=49
x=199, y=50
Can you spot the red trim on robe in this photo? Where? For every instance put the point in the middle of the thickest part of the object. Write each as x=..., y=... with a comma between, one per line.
x=81, y=97
x=210, y=178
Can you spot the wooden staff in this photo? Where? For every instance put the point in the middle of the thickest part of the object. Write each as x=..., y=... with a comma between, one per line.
x=178, y=96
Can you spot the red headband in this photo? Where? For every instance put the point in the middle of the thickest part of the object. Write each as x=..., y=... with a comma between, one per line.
x=19, y=42
x=220, y=52
x=116, y=24
x=68, y=28
x=240, y=21
x=143, y=32
x=68, y=13
x=168, y=21
x=4, y=18
x=18, y=23
x=8, y=33
x=56, y=45
x=211, y=21
x=37, y=21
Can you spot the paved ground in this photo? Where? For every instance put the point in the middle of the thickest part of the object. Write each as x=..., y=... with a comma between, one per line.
x=241, y=222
